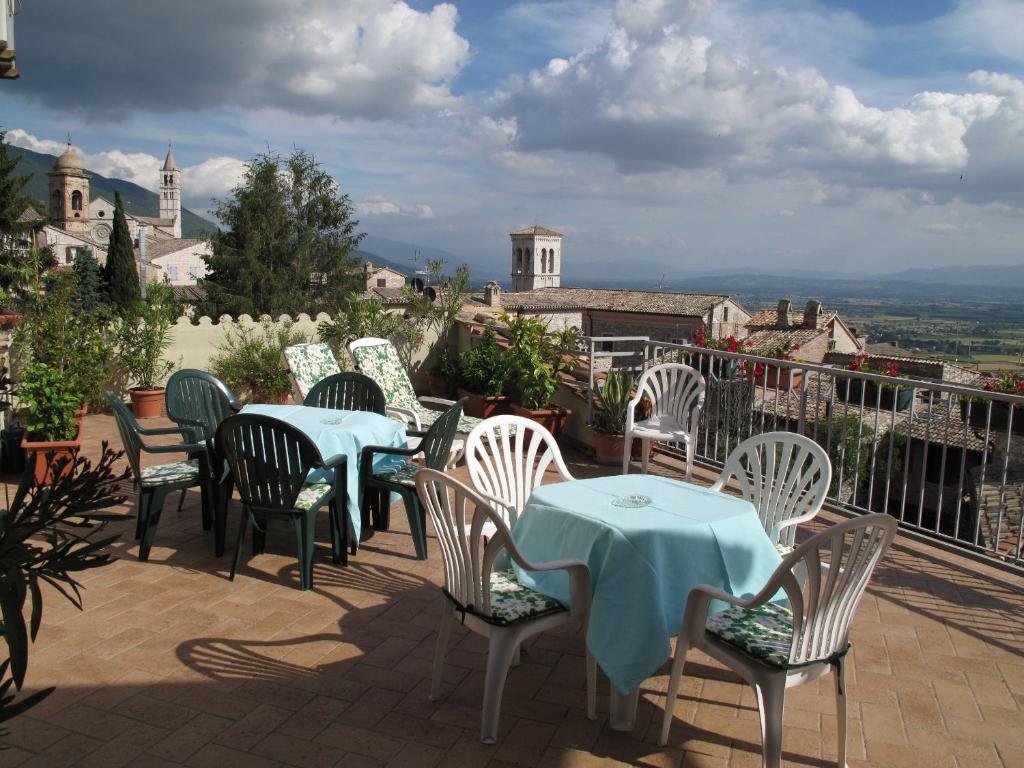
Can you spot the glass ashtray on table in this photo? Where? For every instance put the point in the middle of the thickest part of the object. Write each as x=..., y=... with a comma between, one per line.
x=632, y=501
x=334, y=420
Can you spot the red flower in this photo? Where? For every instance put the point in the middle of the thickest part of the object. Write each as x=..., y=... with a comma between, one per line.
x=749, y=344
x=990, y=386
x=759, y=370
x=796, y=347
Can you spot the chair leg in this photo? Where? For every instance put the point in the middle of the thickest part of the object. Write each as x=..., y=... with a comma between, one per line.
x=417, y=524
x=143, y=514
x=840, y=677
x=645, y=452
x=770, y=691
x=221, y=499
x=382, y=512
x=678, y=662
x=444, y=631
x=181, y=503
x=243, y=521
x=503, y=646
x=304, y=525
x=155, y=507
x=689, y=462
x=626, y=451
x=591, y=687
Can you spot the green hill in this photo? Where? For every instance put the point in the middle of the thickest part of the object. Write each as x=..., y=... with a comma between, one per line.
x=137, y=200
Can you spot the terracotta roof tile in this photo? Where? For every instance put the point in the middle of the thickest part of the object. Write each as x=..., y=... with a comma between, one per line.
x=647, y=302
x=538, y=231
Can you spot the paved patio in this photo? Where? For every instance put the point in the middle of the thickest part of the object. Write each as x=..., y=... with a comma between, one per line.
x=172, y=664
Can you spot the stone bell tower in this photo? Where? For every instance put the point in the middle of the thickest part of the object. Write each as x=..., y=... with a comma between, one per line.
x=69, y=194
x=170, y=192
x=536, y=259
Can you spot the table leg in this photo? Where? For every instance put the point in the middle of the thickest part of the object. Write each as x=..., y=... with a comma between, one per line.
x=622, y=709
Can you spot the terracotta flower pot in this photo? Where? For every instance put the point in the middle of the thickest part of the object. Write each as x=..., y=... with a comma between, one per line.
x=608, y=448
x=483, y=406
x=551, y=418
x=147, y=403
x=44, y=456
x=775, y=377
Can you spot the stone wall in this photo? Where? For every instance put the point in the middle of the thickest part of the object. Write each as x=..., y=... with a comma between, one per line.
x=671, y=328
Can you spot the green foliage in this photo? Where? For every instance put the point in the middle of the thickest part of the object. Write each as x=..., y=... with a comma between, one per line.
x=47, y=535
x=483, y=369
x=287, y=243
x=55, y=332
x=439, y=316
x=367, y=316
x=90, y=291
x=532, y=355
x=616, y=391
x=251, y=363
x=121, y=273
x=848, y=441
x=22, y=279
x=143, y=334
x=49, y=401
x=15, y=234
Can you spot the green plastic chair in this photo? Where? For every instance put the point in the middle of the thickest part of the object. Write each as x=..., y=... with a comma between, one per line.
x=375, y=488
x=270, y=461
x=309, y=364
x=379, y=360
x=198, y=402
x=347, y=391
x=157, y=482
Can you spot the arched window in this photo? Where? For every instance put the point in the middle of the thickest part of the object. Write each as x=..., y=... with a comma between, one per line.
x=519, y=260
x=76, y=201
x=543, y=260
x=551, y=261
x=526, y=254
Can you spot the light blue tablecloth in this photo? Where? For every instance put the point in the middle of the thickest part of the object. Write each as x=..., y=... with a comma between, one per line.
x=643, y=562
x=359, y=429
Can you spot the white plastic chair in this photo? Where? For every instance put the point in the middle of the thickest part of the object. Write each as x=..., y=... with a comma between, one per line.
x=774, y=647
x=785, y=476
x=676, y=394
x=309, y=364
x=481, y=591
x=507, y=457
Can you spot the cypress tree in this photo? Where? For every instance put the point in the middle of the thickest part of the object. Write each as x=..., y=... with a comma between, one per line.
x=122, y=276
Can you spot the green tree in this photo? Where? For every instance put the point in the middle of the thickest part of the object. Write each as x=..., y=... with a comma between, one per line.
x=438, y=316
x=122, y=276
x=90, y=291
x=287, y=242
x=15, y=234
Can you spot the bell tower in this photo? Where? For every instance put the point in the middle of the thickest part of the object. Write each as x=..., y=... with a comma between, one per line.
x=170, y=192
x=536, y=259
x=69, y=194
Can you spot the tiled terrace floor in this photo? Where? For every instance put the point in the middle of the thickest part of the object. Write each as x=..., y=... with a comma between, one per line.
x=172, y=664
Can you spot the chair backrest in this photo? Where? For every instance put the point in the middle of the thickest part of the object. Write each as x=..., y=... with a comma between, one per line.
x=347, y=391
x=269, y=459
x=784, y=475
x=673, y=389
x=379, y=360
x=824, y=598
x=308, y=364
x=198, y=396
x=436, y=445
x=128, y=428
x=507, y=457
x=469, y=557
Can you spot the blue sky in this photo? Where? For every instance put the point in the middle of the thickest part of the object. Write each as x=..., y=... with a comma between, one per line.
x=657, y=134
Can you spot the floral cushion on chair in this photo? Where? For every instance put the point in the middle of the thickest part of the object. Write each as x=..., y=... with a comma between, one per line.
x=403, y=474
x=381, y=363
x=165, y=474
x=312, y=495
x=512, y=602
x=764, y=632
x=784, y=549
x=310, y=364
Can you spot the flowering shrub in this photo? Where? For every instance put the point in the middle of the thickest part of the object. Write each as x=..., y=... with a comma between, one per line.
x=703, y=340
x=862, y=364
x=783, y=351
x=1008, y=383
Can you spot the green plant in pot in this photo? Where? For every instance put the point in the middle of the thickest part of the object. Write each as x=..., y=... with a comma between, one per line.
x=49, y=402
x=143, y=335
x=610, y=419
x=483, y=377
x=250, y=361
x=534, y=359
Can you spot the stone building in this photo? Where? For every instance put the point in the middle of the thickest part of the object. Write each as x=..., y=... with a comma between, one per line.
x=817, y=331
x=536, y=259
x=382, y=277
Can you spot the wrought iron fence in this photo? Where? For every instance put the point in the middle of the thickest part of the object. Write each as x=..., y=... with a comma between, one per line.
x=946, y=459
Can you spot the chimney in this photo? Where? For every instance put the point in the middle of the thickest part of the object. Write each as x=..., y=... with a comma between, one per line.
x=785, y=306
x=811, y=313
x=492, y=294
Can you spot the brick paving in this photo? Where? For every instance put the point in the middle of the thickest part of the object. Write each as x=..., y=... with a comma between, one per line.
x=170, y=664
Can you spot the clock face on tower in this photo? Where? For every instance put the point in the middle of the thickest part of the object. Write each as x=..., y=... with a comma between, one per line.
x=101, y=233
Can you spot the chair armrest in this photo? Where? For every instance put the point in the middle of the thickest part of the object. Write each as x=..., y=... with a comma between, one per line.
x=580, y=591
x=175, y=448
x=437, y=401
x=162, y=430
x=335, y=461
x=394, y=410
x=372, y=449
x=513, y=513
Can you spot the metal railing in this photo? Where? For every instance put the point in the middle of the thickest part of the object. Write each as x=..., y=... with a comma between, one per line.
x=945, y=459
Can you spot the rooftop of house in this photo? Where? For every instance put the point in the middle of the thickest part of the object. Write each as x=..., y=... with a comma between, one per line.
x=155, y=248
x=613, y=300
x=538, y=231
x=171, y=664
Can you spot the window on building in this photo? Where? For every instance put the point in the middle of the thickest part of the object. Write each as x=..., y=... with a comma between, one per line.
x=76, y=201
x=382, y=282
x=831, y=345
x=192, y=275
x=102, y=214
x=172, y=272
x=544, y=261
x=519, y=260
x=606, y=346
x=725, y=314
x=70, y=253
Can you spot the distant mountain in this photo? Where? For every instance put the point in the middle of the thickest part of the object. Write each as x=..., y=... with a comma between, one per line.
x=377, y=260
x=400, y=252
x=978, y=274
x=137, y=200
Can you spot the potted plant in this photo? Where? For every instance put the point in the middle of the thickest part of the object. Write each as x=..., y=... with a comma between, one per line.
x=1009, y=383
x=143, y=336
x=774, y=376
x=534, y=360
x=706, y=364
x=874, y=394
x=53, y=419
x=12, y=455
x=483, y=376
x=610, y=420
x=443, y=376
x=250, y=361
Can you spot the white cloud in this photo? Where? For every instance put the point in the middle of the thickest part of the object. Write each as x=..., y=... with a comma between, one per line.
x=214, y=177
x=991, y=25
x=380, y=206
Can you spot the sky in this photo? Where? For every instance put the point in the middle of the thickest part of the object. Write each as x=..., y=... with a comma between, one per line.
x=860, y=136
